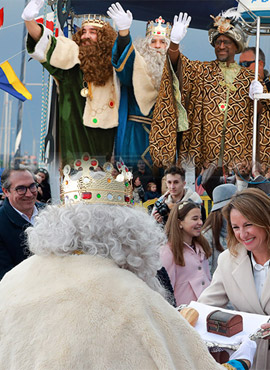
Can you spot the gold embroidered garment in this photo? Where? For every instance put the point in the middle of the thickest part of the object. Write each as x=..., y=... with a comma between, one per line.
x=214, y=104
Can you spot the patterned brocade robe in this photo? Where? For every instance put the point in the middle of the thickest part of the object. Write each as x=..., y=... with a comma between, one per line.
x=212, y=105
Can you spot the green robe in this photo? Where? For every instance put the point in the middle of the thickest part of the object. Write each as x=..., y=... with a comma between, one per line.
x=74, y=138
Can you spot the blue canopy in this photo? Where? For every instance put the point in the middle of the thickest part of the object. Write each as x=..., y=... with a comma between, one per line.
x=200, y=11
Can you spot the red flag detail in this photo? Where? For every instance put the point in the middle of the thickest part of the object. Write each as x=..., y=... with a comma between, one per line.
x=1, y=17
x=49, y=24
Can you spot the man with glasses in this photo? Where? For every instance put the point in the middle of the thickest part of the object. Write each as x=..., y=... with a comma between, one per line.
x=247, y=59
x=16, y=214
x=218, y=96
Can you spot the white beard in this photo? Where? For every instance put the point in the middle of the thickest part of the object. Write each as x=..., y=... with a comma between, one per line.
x=154, y=59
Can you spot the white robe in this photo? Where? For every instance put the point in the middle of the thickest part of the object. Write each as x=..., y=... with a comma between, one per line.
x=83, y=312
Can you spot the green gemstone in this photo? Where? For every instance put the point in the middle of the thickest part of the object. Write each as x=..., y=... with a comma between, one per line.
x=98, y=196
x=75, y=196
x=94, y=120
x=126, y=184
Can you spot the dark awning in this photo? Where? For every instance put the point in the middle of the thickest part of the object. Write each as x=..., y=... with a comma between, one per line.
x=149, y=10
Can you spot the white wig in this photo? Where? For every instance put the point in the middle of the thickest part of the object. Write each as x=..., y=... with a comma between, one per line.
x=127, y=235
x=154, y=60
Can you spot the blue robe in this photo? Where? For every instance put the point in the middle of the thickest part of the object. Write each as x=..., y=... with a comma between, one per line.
x=132, y=140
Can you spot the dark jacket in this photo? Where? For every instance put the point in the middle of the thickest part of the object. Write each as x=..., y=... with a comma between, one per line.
x=12, y=238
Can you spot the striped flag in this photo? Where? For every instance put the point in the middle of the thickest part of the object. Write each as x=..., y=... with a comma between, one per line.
x=1, y=17
x=10, y=83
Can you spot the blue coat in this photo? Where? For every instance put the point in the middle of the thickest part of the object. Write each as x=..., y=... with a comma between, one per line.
x=132, y=140
x=13, y=248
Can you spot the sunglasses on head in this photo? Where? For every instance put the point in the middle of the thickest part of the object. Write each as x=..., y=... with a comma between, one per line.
x=42, y=170
x=246, y=64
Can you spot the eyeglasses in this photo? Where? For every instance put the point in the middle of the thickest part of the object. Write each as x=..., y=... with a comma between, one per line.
x=246, y=64
x=21, y=190
x=225, y=42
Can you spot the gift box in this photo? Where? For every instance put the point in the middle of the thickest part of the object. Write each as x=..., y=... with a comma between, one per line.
x=224, y=323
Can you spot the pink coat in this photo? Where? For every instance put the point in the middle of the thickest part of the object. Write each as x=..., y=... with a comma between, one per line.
x=190, y=280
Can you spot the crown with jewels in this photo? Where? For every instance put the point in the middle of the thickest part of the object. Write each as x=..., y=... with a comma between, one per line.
x=95, y=20
x=82, y=183
x=158, y=28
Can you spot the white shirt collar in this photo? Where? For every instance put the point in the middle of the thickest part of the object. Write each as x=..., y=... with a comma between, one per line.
x=23, y=215
x=260, y=274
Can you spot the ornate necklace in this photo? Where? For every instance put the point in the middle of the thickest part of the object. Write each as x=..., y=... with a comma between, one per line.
x=86, y=92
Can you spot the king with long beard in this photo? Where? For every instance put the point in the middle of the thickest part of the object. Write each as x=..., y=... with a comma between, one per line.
x=139, y=67
x=87, y=87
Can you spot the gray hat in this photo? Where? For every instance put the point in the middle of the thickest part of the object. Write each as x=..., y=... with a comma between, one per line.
x=226, y=23
x=222, y=194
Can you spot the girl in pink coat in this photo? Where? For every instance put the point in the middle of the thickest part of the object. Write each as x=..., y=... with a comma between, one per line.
x=186, y=253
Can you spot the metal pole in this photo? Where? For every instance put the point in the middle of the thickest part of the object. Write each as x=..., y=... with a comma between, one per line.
x=255, y=114
x=6, y=151
x=20, y=104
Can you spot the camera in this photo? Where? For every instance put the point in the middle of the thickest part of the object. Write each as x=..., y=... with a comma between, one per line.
x=162, y=209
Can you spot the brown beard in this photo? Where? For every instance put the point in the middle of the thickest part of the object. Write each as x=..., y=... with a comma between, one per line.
x=95, y=58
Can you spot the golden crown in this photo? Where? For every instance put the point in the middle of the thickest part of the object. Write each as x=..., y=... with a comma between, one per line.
x=95, y=20
x=158, y=28
x=83, y=183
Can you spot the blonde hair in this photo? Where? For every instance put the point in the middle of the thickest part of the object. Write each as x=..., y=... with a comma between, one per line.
x=254, y=205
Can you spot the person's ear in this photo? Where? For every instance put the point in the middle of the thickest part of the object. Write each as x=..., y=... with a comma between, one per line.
x=5, y=191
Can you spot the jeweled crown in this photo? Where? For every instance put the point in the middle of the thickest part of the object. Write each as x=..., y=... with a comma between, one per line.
x=158, y=28
x=95, y=20
x=83, y=183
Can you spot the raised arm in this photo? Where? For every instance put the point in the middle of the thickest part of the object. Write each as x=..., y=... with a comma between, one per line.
x=29, y=14
x=179, y=30
x=122, y=19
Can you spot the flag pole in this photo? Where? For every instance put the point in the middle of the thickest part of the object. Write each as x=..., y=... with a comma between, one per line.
x=17, y=149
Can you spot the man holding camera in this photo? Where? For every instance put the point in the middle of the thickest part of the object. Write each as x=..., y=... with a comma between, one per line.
x=176, y=193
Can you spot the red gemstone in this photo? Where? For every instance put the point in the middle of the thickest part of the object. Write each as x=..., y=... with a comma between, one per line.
x=86, y=158
x=93, y=163
x=86, y=195
x=111, y=104
x=78, y=163
x=158, y=32
x=127, y=199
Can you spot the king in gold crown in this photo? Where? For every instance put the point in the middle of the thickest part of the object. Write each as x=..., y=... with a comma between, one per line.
x=94, y=20
x=83, y=184
x=159, y=28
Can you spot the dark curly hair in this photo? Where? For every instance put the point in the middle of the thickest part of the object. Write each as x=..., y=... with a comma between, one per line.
x=97, y=54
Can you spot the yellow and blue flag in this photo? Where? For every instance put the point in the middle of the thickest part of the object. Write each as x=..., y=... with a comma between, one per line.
x=10, y=83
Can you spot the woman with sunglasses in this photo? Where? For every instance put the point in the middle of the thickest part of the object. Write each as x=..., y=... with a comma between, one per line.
x=243, y=273
x=185, y=256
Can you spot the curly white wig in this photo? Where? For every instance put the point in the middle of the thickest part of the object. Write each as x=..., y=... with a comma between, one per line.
x=127, y=235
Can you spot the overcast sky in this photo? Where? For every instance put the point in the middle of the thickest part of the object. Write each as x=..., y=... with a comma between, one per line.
x=195, y=46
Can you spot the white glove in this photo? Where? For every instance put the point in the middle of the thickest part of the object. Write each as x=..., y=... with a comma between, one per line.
x=32, y=9
x=246, y=351
x=179, y=29
x=121, y=18
x=255, y=88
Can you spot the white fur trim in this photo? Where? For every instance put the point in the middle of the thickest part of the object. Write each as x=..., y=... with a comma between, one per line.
x=144, y=90
x=65, y=54
x=42, y=46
